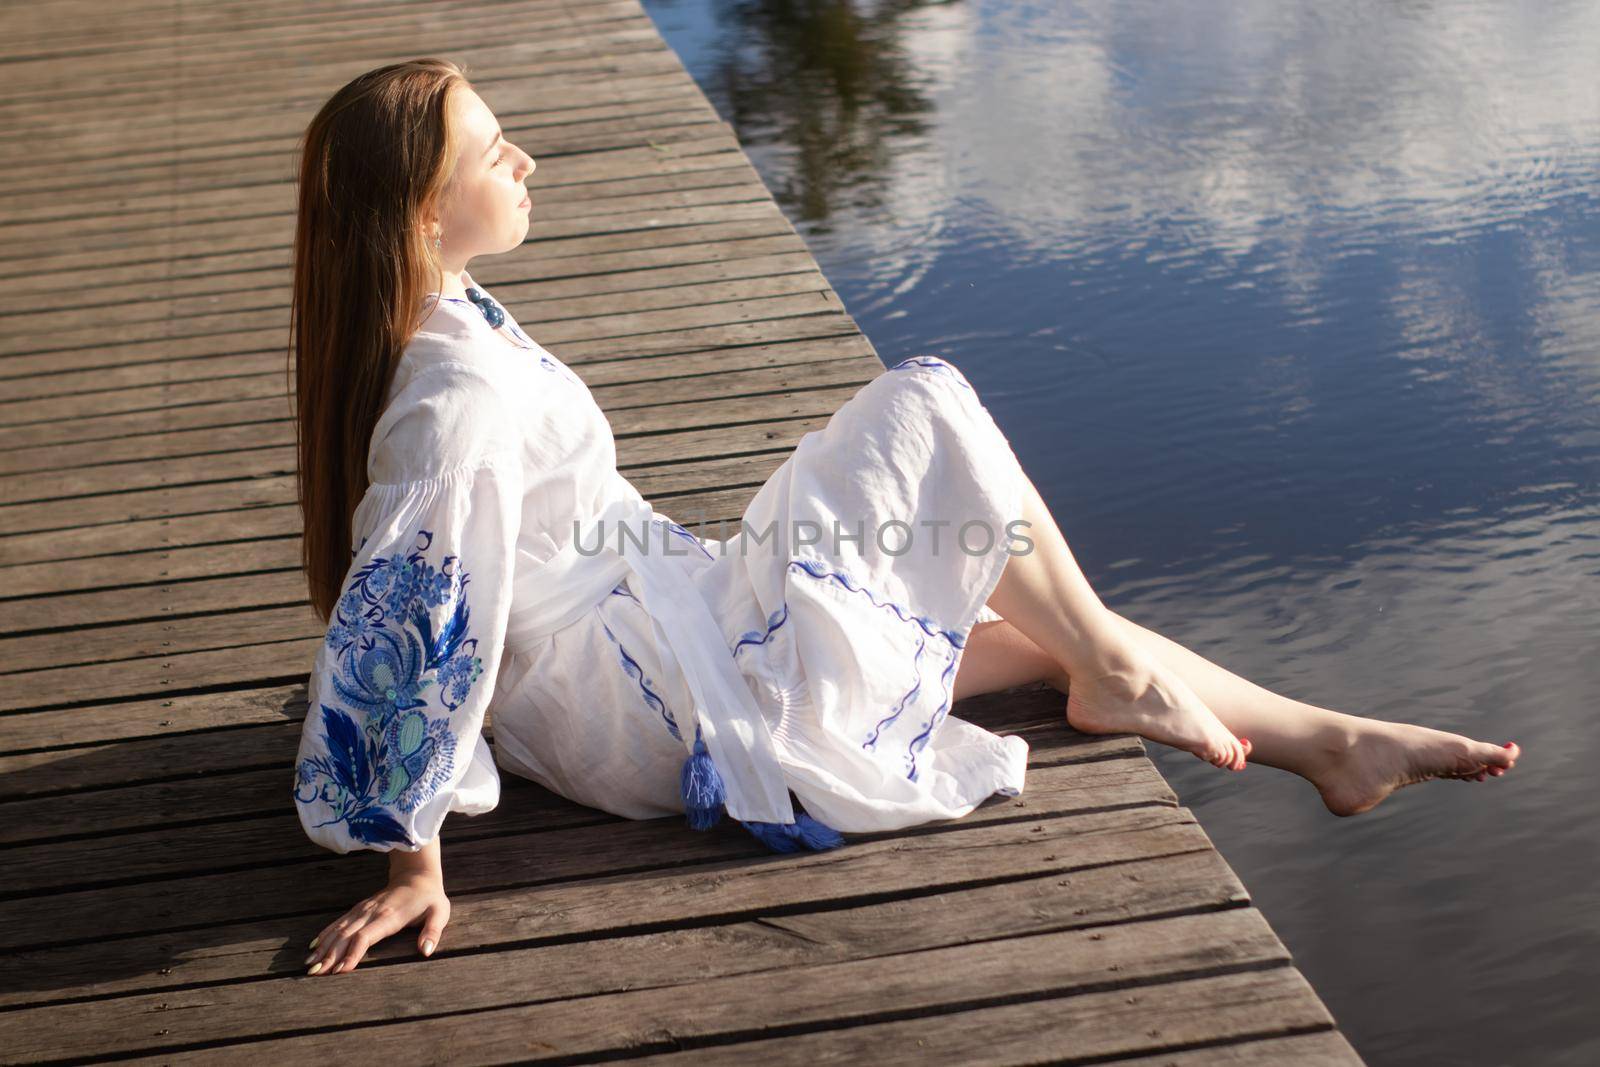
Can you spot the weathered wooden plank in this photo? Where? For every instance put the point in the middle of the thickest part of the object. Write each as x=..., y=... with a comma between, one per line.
x=74, y=559
x=73, y=728
x=249, y=274
x=535, y=301
x=82, y=545
x=675, y=409
x=1189, y=1018
x=212, y=165
x=589, y=315
x=266, y=190
x=98, y=548
x=569, y=73
x=78, y=213
x=607, y=379
x=128, y=25
x=132, y=20
x=493, y=46
x=1035, y=909
x=246, y=48
x=79, y=216
x=632, y=250
x=217, y=236
x=52, y=607
x=118, y=643
x=320, y=880
x=1119, y=875
x=610, y=315
x=273, y=489
x=214, y=128
x=795, y=997
x=606, y=39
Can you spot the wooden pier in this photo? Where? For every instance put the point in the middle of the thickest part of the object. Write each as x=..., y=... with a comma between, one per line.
x=158, y=892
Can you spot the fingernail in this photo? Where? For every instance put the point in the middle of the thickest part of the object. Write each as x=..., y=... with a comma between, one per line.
x=308, y=959
x=315, y=969
x=314, y=941
x=427, y=948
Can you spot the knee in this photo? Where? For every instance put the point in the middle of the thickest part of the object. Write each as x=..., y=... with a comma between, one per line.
x=933, y=365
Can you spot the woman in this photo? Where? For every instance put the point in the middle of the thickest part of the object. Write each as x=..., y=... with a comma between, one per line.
x=473, y=477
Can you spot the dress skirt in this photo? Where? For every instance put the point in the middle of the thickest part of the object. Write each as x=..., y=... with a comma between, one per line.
x=846, y=597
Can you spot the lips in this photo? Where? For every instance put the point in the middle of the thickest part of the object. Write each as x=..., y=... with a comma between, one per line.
x=526, y=201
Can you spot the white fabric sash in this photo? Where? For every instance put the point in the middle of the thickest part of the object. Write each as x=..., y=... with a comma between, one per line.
x=548, y=596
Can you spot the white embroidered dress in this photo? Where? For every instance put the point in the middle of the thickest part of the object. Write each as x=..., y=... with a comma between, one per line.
x=474, y=591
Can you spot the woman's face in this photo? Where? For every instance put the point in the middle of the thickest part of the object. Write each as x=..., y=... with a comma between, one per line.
x=485, y=209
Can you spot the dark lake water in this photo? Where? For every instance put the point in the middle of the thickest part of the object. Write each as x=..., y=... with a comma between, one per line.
x=1292, y=312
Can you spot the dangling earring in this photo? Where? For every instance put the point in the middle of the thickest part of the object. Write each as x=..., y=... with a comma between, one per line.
x=438, y=240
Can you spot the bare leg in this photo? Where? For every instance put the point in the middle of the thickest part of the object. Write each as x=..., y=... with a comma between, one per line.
x=1353, y=761
x=999, y=656
x=1117, y=685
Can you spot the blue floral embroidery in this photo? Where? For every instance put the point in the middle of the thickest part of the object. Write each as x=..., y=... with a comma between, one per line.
x=934, y=363
x=387, y=659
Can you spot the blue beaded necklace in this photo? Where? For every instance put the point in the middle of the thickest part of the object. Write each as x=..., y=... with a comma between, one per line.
x=491, y=311
x=496, y=317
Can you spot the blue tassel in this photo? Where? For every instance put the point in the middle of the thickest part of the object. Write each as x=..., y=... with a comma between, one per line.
x=804, y=833
x=703, y=791
x=704, y=798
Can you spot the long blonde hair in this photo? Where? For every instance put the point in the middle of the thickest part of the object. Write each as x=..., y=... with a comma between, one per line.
x=377, y=155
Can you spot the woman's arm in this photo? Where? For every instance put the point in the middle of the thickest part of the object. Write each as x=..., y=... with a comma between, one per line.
x=427, y=860
x=415, y=892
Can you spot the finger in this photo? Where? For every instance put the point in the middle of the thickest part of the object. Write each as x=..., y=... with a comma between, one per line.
x=352, y=952
x=433, y=921
x=334, y=936
x=327, y=952
x=384, y=921
x=332, y=947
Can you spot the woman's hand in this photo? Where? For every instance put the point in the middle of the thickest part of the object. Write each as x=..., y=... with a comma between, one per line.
x=415, y=892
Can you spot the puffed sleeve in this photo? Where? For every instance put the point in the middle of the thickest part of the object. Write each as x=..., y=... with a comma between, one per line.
x=392, y=740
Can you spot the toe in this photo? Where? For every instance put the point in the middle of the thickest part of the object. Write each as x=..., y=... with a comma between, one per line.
x=1497, y=755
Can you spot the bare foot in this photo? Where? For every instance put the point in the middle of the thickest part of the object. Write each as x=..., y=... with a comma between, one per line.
x=1155, y=703
x=1385, y=756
